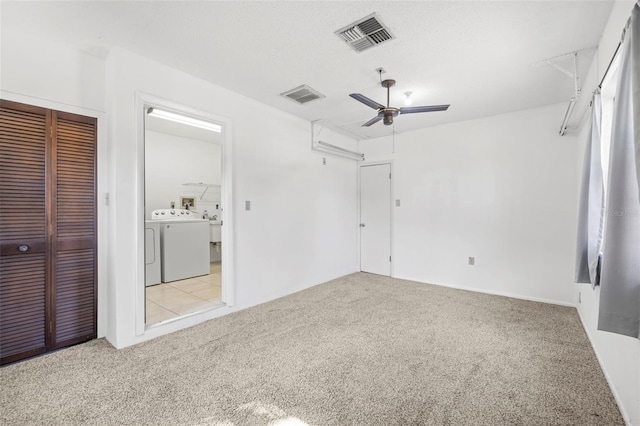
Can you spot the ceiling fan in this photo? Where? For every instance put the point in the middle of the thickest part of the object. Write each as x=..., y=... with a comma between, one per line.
x=386, y=113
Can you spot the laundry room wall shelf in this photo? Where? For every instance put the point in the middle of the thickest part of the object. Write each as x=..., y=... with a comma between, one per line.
x=206, y=186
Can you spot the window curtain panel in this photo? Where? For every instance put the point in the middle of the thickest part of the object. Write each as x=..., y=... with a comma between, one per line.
x=620, y=285
x=591, y=203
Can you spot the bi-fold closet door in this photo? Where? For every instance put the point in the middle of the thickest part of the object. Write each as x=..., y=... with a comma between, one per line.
x=48, y=239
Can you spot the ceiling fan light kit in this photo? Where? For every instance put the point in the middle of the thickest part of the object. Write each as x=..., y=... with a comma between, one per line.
x=407, y=100
x=386, y=113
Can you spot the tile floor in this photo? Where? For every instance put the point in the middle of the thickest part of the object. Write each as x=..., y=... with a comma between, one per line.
x=171, y=300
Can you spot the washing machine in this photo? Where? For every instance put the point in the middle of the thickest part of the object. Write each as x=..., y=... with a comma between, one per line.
x=153, y=269
x=184, y=244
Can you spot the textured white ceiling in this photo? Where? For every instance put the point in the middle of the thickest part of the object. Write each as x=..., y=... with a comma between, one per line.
x=475, y=55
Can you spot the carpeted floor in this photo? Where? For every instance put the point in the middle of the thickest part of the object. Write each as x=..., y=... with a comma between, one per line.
x=359, y=350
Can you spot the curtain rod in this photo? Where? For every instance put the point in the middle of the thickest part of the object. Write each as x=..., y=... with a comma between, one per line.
x=337, y=148
x=609, y=66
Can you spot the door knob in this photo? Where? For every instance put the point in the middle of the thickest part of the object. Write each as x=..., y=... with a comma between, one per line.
x=23, y=248
x=362, y=225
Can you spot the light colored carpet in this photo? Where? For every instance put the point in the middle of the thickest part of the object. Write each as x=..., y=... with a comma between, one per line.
x=359, y=350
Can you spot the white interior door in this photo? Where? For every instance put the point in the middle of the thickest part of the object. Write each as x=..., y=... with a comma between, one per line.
x=375, y=219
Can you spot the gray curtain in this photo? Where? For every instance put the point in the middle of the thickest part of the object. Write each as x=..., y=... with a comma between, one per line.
x=591, y=203
x=620, y=284
x=634, y=46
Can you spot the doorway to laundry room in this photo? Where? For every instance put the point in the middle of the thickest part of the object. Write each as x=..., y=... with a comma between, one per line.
x=182, y=215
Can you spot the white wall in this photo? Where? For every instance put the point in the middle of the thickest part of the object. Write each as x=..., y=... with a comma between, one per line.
x=501, y=189
x=170, y=162
x=619, y=355
x=51, y=75
x=51, y=72
x=301, y=228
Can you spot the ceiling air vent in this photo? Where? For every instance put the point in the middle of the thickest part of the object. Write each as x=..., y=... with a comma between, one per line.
x=365, y=33
x=302, y=94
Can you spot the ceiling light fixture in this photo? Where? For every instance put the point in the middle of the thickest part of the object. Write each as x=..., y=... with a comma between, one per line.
x=177, y=118
x=408, y=100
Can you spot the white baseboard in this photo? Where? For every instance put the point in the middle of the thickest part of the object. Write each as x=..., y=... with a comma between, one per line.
x=616, y=396
x=495, y=293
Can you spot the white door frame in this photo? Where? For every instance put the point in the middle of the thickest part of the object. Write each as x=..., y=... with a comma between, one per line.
x=392, y=204
x=142, y=101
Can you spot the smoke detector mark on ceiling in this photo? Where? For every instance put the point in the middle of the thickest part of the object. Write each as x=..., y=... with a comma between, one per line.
x=365, y=33
x=302, y=94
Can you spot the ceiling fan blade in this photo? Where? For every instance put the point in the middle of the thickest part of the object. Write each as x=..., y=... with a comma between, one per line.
x=430, y=108
x=368, y=102
x=374, y=120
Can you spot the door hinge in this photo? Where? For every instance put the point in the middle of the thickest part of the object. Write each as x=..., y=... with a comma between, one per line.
x=389, y=175
x=50, y=327
x=389, y=258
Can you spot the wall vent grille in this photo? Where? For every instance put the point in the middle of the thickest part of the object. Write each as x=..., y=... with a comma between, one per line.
x=302, y=94
x=365, y=33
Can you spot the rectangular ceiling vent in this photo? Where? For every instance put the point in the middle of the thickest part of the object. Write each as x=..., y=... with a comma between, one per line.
x=365, y=33
x=302, y=94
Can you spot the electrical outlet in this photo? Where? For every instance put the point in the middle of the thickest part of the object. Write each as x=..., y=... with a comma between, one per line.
x=247, y=205
x=472, y=260
x=397, y=203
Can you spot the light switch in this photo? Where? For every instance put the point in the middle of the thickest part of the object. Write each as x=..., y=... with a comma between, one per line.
x=397, y=203
x=247, y=205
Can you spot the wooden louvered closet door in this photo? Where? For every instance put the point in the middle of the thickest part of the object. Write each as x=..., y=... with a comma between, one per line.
x=23, y=226
x=73, y=256
x=47, y=230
